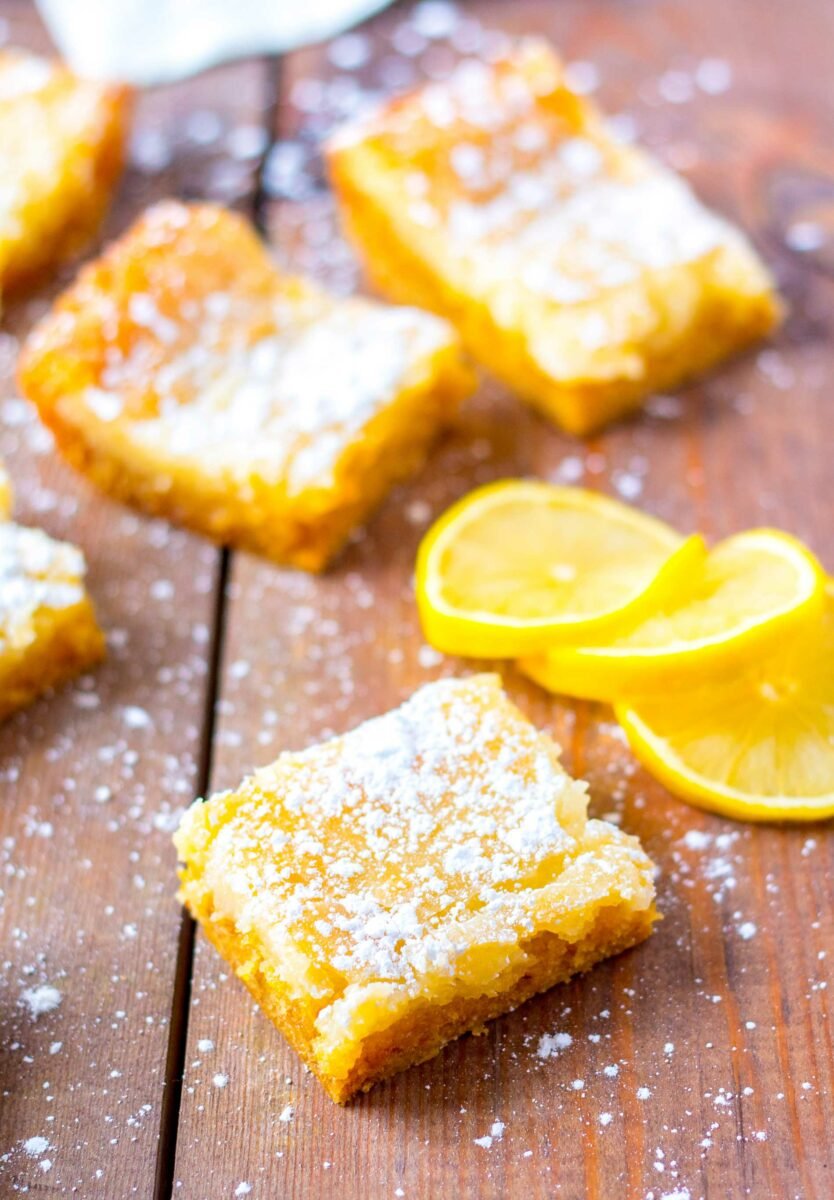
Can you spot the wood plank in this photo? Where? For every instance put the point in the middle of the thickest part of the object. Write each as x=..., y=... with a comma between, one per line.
x=92, y=780
x=705, y=1055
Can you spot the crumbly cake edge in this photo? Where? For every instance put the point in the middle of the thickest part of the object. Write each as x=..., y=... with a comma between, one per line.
x=310, y=543
x=65, y=645
x=555, y=960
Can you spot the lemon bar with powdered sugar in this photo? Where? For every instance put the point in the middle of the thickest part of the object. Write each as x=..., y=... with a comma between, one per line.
x=48, y=629
x=578, y=269
x=61, y=145
x=386, y=891
x=185, y=374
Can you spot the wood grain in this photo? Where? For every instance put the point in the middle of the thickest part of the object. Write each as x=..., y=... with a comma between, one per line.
x=92, y=780
x=727, y=1030
x=701, y=1063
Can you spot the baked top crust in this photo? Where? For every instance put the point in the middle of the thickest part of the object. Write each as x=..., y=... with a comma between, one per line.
x=568, y=259
x=184, y=372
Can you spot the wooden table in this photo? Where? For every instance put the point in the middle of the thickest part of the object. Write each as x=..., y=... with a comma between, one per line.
x=701, y=1063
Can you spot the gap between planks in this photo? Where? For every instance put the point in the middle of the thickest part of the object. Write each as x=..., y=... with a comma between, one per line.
x=181, y=1000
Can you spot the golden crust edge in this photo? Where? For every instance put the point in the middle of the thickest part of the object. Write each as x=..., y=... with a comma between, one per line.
x=390, y=450
x=555, y=960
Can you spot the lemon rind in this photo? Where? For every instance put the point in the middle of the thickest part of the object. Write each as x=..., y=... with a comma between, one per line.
x=692, y=787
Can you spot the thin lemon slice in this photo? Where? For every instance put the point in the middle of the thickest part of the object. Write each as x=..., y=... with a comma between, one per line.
x=746, y=594
x=516, y=566
x=758, y=744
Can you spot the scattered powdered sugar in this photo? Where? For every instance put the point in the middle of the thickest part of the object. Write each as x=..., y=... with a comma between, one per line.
x=676, y=87
x=434, y=19
x=806, y=236
x=150, y=151
x=350, y=51
x=136, y=717
x=695, y=839
x=582, y=76
x=551, y=1043
x=428, y=657
x=35, y=1146
x=286, y=171
x=570, y=470
x=713, y=75
x=44, y=998
x=495, y=1134
x=627, y=484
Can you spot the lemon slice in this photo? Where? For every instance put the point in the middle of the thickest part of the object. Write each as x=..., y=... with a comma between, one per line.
x=516, y=566
x=757, y=744
x=746, y=594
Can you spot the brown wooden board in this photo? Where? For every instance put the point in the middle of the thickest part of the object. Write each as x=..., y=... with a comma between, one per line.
x=92, y=780
x=700, y=1063
x=710, y=1046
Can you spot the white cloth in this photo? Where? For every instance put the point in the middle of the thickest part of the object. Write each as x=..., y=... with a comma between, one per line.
x=153, y=41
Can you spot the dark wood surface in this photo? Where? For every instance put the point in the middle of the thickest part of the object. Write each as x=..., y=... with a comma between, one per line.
x=705, y=1056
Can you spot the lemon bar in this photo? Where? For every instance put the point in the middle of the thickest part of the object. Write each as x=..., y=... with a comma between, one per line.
x=386, y=891
x=185, y=374
x=578, y=269
x=48, y=629
x=61, y=145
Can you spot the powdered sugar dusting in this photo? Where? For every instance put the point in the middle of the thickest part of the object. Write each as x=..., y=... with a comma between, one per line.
x=385, y=854
x=535, y=208
x=262, y=376
x=44, y=998
x=552, y=1043
x=348, y=625
x=391, y=836
x=36, y=574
